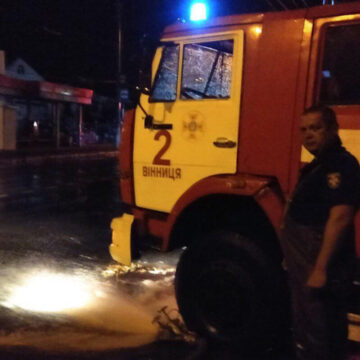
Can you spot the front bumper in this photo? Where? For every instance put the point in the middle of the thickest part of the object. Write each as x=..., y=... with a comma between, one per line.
x=120, y=248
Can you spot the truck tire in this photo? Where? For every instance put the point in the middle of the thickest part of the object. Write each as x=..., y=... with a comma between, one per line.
x=228, y=290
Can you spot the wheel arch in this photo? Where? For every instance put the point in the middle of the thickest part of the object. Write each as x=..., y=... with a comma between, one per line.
x=239, y=213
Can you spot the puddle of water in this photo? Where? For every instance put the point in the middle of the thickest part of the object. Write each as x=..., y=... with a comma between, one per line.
x=118, y=313
x=66, y=340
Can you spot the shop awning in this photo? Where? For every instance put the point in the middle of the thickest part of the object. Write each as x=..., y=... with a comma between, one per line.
x=44, y=90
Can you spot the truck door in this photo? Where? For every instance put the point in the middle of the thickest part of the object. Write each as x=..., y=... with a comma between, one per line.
x=195, y=103
x=335, y=79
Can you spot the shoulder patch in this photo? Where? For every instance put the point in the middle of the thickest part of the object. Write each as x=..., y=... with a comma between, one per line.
x=333, y=180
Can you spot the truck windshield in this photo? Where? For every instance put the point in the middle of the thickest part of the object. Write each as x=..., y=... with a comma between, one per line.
x=207, y=69
x=165, y=84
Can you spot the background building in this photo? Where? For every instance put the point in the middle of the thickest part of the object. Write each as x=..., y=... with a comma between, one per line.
x=51, y=115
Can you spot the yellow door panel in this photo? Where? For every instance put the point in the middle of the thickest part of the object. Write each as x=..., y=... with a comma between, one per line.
x=204, y=134
x=169, y=187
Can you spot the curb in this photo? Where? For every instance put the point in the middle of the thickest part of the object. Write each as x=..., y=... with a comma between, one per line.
x=20, y=159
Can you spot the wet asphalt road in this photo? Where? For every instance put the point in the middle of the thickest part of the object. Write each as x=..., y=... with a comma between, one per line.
x=54, y=228
x=91, y=182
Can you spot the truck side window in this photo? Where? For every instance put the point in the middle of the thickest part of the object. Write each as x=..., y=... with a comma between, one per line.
x=165, y=83
x=340, y=71
x=207, y=70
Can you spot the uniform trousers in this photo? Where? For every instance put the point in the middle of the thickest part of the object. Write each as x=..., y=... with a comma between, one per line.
x=319, y=316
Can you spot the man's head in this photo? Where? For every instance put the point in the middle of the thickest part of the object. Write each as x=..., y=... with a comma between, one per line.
x=319, y=128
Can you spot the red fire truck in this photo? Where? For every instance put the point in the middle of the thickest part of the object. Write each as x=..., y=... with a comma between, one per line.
x=212, y=152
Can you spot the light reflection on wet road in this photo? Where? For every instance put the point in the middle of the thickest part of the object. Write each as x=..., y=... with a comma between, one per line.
x=119, y=306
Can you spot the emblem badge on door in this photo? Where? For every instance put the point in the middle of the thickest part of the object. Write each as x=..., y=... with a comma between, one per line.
x=193, y=126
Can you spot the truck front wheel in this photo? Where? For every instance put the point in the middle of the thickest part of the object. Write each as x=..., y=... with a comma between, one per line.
x=229, y=290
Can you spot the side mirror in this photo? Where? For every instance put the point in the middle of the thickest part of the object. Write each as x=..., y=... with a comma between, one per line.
x=143, y=90
x=149, y=124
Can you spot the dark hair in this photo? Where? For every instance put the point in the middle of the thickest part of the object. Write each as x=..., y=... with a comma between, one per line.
x=327, y=114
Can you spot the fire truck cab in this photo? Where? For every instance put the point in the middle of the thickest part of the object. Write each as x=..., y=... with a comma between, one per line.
x=210, y=155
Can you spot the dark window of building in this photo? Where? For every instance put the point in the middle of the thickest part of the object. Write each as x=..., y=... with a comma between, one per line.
x=20, y=69
x=340, y=70
x=207, y=70
x=165, y=84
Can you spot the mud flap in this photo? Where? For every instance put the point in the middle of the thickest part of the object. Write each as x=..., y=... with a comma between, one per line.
x=120, y=249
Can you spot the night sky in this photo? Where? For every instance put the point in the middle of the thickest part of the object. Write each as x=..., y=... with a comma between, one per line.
x=75, y=41
x=65, y=41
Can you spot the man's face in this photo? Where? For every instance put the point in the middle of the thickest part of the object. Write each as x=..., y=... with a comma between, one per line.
x=314, y=133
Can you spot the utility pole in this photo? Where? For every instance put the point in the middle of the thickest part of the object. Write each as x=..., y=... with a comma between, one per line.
x=120, y=78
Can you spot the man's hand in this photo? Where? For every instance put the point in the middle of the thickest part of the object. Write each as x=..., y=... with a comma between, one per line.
x=340, y=218
x=317, y=279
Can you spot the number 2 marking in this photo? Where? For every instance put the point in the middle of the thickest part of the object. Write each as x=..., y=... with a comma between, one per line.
x=158, y=158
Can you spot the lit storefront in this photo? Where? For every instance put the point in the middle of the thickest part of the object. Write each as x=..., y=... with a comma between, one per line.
x=47, y=114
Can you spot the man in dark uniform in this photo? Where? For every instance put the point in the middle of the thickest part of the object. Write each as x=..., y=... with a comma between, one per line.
x=318, y=239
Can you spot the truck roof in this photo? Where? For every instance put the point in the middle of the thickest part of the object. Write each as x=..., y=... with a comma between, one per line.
x=308, y=13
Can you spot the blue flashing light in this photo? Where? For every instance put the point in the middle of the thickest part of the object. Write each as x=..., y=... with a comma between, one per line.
x=198, y=12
